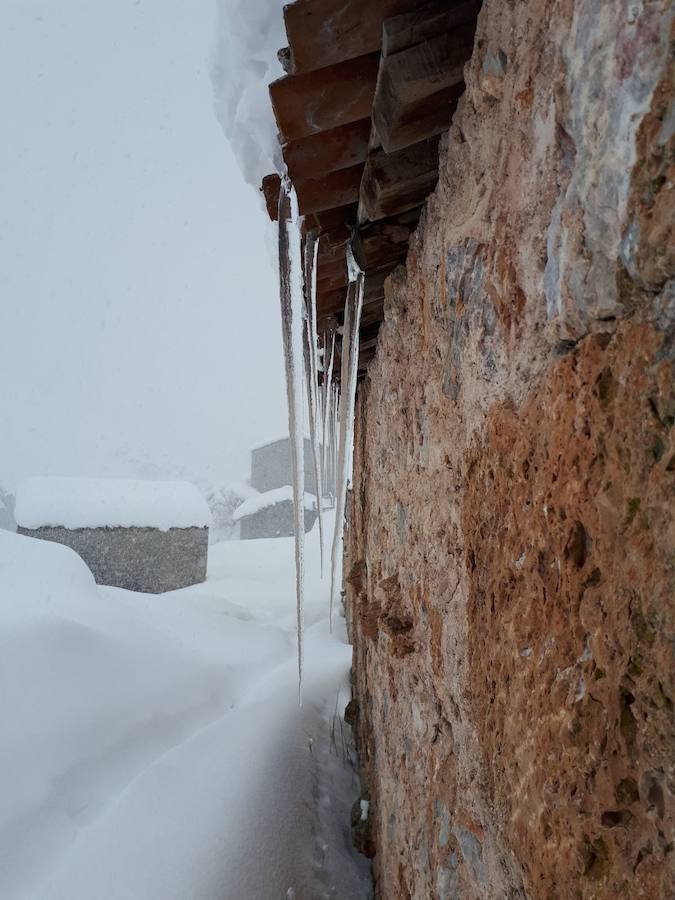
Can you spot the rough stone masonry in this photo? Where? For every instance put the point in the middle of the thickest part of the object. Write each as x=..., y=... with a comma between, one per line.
x=509, y=555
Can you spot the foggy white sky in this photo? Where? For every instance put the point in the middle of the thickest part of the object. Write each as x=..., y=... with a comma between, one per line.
x=139, y=324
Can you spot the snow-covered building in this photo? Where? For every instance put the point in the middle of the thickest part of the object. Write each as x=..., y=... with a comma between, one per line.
x=149, y=536
x=270, y=514
x=271, y=465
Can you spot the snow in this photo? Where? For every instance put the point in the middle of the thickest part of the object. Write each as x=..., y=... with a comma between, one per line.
x=115, y=503
x=250, y=32
x=271, y=498
x=153, y=747
x=223, y=498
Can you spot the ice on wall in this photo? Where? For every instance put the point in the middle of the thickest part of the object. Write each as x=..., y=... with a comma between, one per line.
x=249, y=34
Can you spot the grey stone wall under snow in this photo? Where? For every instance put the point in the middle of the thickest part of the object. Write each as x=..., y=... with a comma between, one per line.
x=273, y=521
x=138, y=559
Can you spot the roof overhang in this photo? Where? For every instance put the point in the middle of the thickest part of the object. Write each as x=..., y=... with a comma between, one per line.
x=370, y=87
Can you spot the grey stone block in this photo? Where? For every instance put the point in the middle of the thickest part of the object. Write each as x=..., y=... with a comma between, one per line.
x=138, y=559
x=273, y=521
x=271, y=466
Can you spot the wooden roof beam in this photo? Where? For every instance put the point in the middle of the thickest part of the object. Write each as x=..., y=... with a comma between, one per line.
x=328, y=98
x=426, y=21
x=395, y=182
x=271, y=185
x=337, y=220
x=418, y=88
x=323, y=32
x=327, y=151
x=333, y=189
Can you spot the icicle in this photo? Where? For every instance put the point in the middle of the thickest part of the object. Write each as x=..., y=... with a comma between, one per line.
x=312, y=369
x=291, y=297
x=326, y=412
x=332, y=439
x=348, y=378
x=335, y=434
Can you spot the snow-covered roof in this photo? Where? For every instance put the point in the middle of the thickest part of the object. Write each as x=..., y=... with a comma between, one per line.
x=270, y=498
x=113, y=503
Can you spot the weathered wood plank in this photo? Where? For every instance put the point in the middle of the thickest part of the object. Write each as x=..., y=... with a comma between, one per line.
x=330, y=303
x=324, y=32
x=328, y=151
x=380, y=251
x=415, y=86
x=332, y=219
x=331, y=282
x=270, y=187
x=395, y=182
x=331, y=299
x=426, y=21
x=332, y=269
x=428, y=117
x=317, y=101
x=373, y=312
x=333, y=189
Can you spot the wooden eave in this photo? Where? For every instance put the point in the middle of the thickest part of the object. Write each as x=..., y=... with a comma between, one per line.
x=370, y=88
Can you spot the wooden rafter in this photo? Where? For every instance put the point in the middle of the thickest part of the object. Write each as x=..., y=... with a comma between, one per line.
x=371, y=85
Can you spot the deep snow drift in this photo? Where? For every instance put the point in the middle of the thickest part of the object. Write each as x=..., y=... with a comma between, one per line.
x=153, y=747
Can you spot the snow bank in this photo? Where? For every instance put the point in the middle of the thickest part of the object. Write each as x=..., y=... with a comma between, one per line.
x=113, y=503
x=270, y=498
x=152, y=745
x=250, y=32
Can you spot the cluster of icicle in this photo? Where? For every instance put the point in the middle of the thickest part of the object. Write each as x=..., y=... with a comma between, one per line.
x=330, y=405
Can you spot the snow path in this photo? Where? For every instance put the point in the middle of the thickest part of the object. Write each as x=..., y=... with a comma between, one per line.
x=153, y=747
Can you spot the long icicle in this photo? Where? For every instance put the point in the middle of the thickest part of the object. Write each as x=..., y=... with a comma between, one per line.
x=290, y=292
x=349, y=374
x=312, y=370
x=327, y=409
x=334, y=438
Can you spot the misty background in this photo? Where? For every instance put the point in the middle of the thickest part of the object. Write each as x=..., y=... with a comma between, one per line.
x=139, y=323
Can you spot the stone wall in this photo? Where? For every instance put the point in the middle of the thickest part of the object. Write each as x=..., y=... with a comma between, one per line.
x=273, y=521
x=271, y=466
x=138, y=559
x=509, y=553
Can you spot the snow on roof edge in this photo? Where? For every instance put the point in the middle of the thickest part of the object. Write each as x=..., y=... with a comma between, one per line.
x=270, y=498
x=275, y=440
x=109, y=503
